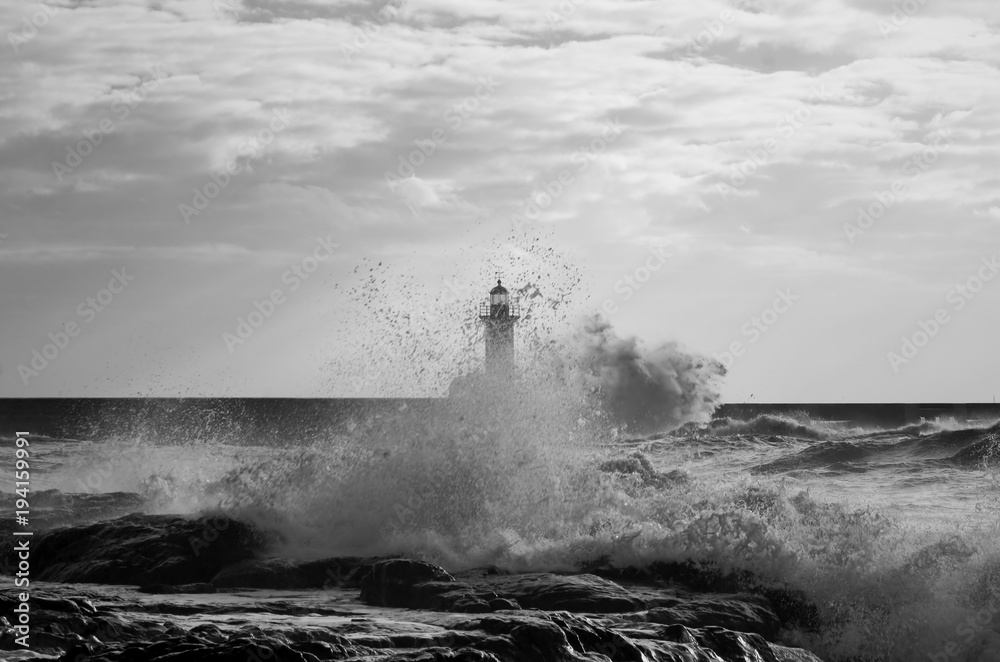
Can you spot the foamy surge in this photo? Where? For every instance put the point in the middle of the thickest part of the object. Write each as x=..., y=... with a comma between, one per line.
x=516, y=481
x=504, y=473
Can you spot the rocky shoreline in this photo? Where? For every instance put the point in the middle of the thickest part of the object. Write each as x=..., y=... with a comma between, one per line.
x=159, y=588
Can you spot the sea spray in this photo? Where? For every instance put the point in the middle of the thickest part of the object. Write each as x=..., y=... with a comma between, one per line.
x=643, y=390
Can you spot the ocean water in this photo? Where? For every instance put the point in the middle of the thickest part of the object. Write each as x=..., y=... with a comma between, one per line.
x=894, y=533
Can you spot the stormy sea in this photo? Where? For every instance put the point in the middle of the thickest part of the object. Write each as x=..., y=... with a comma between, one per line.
x=602, y=506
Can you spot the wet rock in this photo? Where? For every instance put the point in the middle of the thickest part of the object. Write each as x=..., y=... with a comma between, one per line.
x=508, y=636
x=208, y=632
x=445, y=655
x=470, y=604
x=263, y=573
x=419, y=585
x=284, y=574
x=544, y=641
x=166, y=589
x=194, y=650
x=143, y=550
x=405, y=583
x=742, y=613
x=571, y=638
x=339, y=572
x=791, y=606
x=682, y=612
x=502, y=604
x=575, y=593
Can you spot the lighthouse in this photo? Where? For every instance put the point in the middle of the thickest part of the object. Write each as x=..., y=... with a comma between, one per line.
x=498, y=315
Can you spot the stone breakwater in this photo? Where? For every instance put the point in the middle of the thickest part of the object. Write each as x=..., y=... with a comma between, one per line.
x=157, y=587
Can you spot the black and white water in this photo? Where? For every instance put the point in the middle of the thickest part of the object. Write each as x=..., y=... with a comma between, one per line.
x=893, y=534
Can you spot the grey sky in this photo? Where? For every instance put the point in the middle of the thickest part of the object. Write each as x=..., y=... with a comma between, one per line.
x=744, y=137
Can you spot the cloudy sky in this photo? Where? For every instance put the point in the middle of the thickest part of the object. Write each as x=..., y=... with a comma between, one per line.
x=802, y=185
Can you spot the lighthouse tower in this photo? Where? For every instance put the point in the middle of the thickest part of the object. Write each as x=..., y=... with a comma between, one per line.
x=499, y=314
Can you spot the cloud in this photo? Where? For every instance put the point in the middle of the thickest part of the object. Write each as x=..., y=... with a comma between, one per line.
x=697, y=96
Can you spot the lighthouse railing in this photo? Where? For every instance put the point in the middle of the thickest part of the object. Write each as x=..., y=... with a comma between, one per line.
x=513, y=309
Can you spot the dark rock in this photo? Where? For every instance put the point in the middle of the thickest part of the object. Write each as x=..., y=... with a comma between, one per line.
x=792, y=606
x=165, y=589
x=55, y=604
x=283, y=574
x=418, y=585
x=682, y=612
x=743, y=613
x=544, y=641
x=501, y=604
x=339, y=572
x=731, y=645
x=79, y=652
x=469, y=604
x=263, y=573
x=510, y=636
x=575, y=593
x=142, y=550
x=405, y=583
x=208, y=632
x=571, y=638
x=589, y=637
